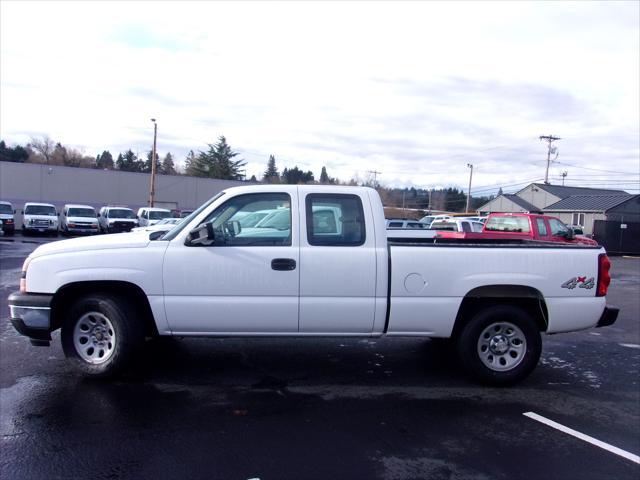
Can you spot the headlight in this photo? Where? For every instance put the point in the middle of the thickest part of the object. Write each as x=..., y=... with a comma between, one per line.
x=31, y=221
x=23, y=275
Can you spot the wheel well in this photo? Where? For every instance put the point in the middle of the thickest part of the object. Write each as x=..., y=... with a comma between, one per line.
x=65, y=296
x=527, y=298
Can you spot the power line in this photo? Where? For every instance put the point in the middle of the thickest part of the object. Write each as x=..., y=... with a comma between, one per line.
x=597, y=169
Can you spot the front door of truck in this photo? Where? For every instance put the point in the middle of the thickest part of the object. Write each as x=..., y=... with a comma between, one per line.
x=246, y=281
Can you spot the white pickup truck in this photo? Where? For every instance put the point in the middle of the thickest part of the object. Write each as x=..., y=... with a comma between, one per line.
x=326, y=268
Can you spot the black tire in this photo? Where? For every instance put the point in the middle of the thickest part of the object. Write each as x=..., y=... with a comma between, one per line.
x=476, y=353
x=128, y=333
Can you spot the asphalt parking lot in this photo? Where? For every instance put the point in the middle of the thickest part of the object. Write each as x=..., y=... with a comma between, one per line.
x=321, y=408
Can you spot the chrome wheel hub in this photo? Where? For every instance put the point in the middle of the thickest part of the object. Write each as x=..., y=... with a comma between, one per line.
x=501, y=346
x=94, y=338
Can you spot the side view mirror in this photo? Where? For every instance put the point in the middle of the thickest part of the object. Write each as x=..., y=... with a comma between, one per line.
x=97, y=215
x=570, y=234
x=233, y=228
x=201, y=235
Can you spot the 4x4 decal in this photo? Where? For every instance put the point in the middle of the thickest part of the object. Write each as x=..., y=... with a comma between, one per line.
x=580, y=282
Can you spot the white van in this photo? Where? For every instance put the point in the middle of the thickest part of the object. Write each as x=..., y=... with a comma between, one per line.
x=39, y=217
x=79, y=219
x=116, y=218
x=150, y=215
x=7, y=221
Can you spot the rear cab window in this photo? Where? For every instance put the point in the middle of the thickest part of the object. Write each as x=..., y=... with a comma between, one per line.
x=508, y=224
x=335, y=220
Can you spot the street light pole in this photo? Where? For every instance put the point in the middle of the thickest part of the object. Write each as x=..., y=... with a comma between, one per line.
x=152, y=188
x=469, y=191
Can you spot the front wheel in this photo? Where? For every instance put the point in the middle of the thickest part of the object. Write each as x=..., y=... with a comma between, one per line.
x=500, y=345
x=100, y=334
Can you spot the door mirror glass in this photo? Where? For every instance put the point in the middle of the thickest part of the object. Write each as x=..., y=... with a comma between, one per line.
x=232, y=228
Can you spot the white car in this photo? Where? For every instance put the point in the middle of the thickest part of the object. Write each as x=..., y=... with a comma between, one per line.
x=457, y=225
x=317, y=274
x=7, y=220
x=165, y=224
x=150, y=215
x=429, y=219
x=116, y=218
x=80, y=219
x=39, y=217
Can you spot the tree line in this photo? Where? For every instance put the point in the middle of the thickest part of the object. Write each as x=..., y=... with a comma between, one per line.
x=220, y=161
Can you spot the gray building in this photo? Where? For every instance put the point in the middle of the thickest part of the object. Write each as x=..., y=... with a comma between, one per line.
x=585, y=209
x=29, y=182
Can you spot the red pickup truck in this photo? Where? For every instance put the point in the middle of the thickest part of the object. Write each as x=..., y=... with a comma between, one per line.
x=524, y=226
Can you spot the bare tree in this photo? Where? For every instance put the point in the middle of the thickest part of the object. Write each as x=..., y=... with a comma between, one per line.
x=44, y=146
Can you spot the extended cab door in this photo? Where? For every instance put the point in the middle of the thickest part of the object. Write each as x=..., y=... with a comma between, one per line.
x=244, y=282
x=337, y=261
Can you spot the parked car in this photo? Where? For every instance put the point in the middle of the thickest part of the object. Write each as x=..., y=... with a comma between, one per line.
x=39, y=217
x=165, y=225
x=116, y=218
x=429, y=219
x=314, y=278
x=79, y=219
x=151, y=215
x=7, y=219
x=523, y=226
x=457, y=224
x=404, y=223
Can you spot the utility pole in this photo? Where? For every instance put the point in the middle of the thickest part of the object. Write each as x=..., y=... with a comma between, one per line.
x=564, y=174
x=549, y=139
x=152, y=189
x=469, y=192
x=375, y=176
x=430, y=190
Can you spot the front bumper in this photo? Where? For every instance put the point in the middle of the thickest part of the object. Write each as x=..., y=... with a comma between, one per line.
x=41, y=228
x=608, y=317
x=83, y=230
x=30, y=314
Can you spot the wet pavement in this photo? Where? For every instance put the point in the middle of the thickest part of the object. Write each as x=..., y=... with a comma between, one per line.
x=320, y=408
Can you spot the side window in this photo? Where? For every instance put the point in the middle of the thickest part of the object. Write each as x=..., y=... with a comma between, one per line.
x=395, y=224
x=335, y=220
x=272, y=229
x=542, y=227
x=466, y=227
x=557, y=227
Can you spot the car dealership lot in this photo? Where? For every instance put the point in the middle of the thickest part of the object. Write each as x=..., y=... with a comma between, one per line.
x=320, y=408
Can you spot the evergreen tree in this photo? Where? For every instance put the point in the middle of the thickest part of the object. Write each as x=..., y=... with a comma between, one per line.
x=324, y=178
x=146, y=167
x=190, y=165
x=271, y=174
x=128, y=162
x=218, y=162
x=15, y=154
x=295, y=176
x=168, y=167
x=104, y=160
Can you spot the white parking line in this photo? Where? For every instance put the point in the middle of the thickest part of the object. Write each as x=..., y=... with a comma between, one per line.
x=582, y=436
x=629, y=345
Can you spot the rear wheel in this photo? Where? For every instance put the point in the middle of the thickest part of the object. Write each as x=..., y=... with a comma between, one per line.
x=500, y=345
x=100, y=334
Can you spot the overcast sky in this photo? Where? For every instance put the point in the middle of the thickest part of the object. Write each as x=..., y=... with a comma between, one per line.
x=414, y=90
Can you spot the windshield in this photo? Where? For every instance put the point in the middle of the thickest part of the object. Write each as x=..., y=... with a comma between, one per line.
x=158, y=215
x=169, y=221
x=121, y=213
x=507, y=224
x=5, y=209
x=40, y=210
x=81, y=212
x=171, y=234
